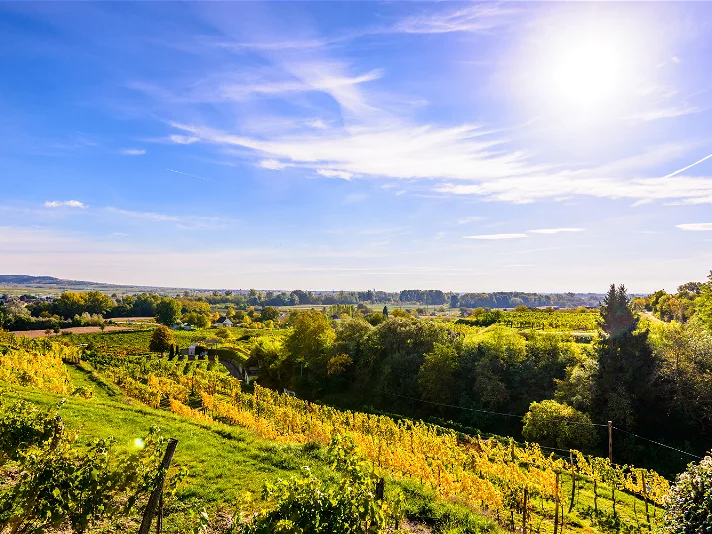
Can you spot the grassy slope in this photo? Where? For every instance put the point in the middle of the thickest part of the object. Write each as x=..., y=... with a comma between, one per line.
x=223, y=461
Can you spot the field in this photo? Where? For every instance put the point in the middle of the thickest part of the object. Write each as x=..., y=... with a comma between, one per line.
x=513, y=483
x=227, y=465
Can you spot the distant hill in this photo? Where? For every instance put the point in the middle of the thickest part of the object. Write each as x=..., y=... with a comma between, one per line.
x=23, y=283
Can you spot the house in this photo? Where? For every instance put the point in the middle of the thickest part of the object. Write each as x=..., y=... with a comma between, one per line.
x=223, y=321
x=194, y=350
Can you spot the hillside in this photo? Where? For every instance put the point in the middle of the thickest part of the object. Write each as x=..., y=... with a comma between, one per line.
x=445, y=480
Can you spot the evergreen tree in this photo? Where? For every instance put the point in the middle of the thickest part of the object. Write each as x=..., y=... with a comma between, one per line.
x=626, y=369
x=385, y=311
x=617, y=318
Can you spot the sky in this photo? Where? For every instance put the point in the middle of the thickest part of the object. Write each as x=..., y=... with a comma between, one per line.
x=354, y=145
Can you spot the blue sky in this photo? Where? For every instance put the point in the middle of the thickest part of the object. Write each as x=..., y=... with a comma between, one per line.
x=461, y=146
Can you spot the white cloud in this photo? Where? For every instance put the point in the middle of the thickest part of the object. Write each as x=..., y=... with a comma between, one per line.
x=495, y=236
x=696, y=227
x=64, y=204
x=665, y=113
x=464, y=152
x=329, y=173
x=319, y=124
x=471, y=18
x=183, y=139
x=273, y=164
x=133, y=152
x=185, y=222
x=466, y=220
x=555, y=230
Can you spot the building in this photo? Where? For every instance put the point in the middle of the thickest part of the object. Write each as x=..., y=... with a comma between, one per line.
x=223, y=321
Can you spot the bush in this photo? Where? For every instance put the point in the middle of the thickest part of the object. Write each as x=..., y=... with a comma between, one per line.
x=308, y=504
x=690, y=501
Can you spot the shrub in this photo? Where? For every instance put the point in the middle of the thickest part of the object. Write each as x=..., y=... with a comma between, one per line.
x=689, y=509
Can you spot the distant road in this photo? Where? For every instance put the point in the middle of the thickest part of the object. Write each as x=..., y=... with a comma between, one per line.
x=73, y=330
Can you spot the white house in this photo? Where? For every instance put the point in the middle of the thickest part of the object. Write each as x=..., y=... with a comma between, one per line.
x=223, y=321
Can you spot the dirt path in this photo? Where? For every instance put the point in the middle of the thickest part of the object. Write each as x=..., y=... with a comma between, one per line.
x=231, y=368
x=73, y=330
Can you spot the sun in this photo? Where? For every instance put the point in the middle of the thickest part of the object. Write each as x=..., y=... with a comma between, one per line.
x=582, y=67
x=587, y=75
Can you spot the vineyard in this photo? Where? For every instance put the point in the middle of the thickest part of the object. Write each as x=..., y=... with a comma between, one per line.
x=518, y=484
x=556, y=320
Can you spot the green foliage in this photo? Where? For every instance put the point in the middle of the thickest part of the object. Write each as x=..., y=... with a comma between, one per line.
x=703, y=304
x=617, y=318
x=437, y=376
x=168, y=311
x=62, y=484
x=558, y=425
x=310, y=505
x=689, y=510
x=310, y=342
x=161, y=340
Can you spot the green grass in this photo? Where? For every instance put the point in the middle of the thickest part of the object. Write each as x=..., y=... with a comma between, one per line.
x=224, y=462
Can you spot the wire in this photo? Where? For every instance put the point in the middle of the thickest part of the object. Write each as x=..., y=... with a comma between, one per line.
x=660, y=444
x=518, y=416
x=521, y=416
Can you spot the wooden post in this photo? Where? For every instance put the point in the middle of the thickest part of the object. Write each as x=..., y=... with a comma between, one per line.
x=573, y=481
x=159, y=517
x=524, y=511
x=157, y=493
x=380, y=488
x=610, y=442
x=556, y=506
x=645, y=498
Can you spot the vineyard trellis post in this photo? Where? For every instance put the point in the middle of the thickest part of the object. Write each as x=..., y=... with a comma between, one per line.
x=573, y=481
x=610, y=442
x=156, y=499
x=556, y=505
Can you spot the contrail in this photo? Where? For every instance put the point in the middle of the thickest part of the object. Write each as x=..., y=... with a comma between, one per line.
x=208, y=179
x=689, y=166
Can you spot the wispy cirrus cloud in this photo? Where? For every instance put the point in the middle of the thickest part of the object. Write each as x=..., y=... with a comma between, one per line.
x=330, y=173
x=183, y=139
x=495, y=237
x=133, y=151
x=696, y=227
x=470, y=18
x=273, y=164
x=555, y=230
x=670, y=112
x=65, y=204
x=185, y=222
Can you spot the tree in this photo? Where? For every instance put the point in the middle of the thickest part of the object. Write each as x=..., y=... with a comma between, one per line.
x=703, y=304
x=310, y=342
x=689, y=508
x=161, y=340
x=168, y=311
x=97, y=302
x=626, y=367
x=224, y=334
x=557, y=425
x=199, y=320
x=437, y=376
x=269, y=313
x=616, y=316
x=385, y=311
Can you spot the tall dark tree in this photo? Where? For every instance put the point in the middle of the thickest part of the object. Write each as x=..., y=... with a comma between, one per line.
x=626, y=368
x=385, y=311
x=617, y=318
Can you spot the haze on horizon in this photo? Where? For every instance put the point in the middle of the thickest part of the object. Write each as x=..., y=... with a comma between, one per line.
x=544, y=147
